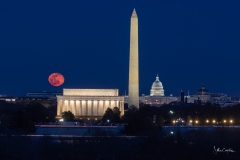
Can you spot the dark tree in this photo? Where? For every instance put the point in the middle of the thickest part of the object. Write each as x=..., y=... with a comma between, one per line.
x=108, y=115
x=116, y=115
x=160, y=121
x=113, y=115
x=68, y=116
x=39, y=113
x=22, y=121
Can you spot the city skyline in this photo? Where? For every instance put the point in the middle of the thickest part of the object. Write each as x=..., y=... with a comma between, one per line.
x=187, y=44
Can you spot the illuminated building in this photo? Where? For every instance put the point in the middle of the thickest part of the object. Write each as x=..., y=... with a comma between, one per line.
x=157, y=88
x=157, y=97
x=45, y=98
x=7, y=98
x=89, y=103
x=204, y=96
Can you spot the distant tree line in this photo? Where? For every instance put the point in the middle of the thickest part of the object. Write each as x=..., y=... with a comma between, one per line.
x=197, y=112
x=23, y=117
x=16, y=117
x=149, y=117
x=134, y=120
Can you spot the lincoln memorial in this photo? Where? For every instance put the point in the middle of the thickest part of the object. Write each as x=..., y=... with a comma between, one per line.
x=89, y=104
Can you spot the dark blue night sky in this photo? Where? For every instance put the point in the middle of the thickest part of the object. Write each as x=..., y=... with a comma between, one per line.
x=188, y=43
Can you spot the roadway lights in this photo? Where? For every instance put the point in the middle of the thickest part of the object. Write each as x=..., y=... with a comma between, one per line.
x=171, y=112
x=214, y=121
x=231, y=121
x=196, y=121
x=190, y=121
x=173, y=121
x=207, y=121
x=224, y=121
x=61, y=120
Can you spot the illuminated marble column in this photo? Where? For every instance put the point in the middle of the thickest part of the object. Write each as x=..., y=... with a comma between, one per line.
x=77, y=104
x=94, y=107
x=97, y=108
x=87, y=108
x=80, y=112
x=63, y=108
x=84, y=108
x=101, y=108
x=92, y=111
x=122, y=107
x=89, y=104
x=113, y=104
x=74, y=107
x=65, y=105
x=60, y=107
x=103, y=111
x=118, y=105
x=69, y=107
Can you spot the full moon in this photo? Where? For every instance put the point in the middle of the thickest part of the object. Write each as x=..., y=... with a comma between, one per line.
x=56, y=79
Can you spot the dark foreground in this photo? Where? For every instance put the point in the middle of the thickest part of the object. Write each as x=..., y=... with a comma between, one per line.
x=220, y=143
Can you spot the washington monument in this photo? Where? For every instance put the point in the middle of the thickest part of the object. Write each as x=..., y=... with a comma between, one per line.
x=133, y=84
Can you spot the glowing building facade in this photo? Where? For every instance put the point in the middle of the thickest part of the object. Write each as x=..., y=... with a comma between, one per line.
x=156, y=97
x=89, y=104
x=204, y=96
x=157, y=88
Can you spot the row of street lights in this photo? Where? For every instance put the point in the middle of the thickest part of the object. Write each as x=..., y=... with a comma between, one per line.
x=196, y=121
x=213, y=121
x=207, y=121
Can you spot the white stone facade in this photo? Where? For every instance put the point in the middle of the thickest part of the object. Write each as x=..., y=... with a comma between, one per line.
x=157, y=88
x=157, y=100
x=89, y=103
x=133, y=84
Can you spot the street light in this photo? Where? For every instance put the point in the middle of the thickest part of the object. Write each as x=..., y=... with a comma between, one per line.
x=174, y=122
x=171, y=112
x=196, y=122
x=207, y=121
x=61, y=120
x=213, y=121
x=224, y=121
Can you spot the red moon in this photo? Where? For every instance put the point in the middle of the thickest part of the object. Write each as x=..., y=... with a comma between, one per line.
x=56, y=79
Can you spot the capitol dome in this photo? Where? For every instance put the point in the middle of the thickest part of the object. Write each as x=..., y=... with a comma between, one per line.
x=157, y=88
x=203, y=90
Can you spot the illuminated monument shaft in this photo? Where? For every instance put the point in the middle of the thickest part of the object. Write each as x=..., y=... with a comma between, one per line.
x=133, y=88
